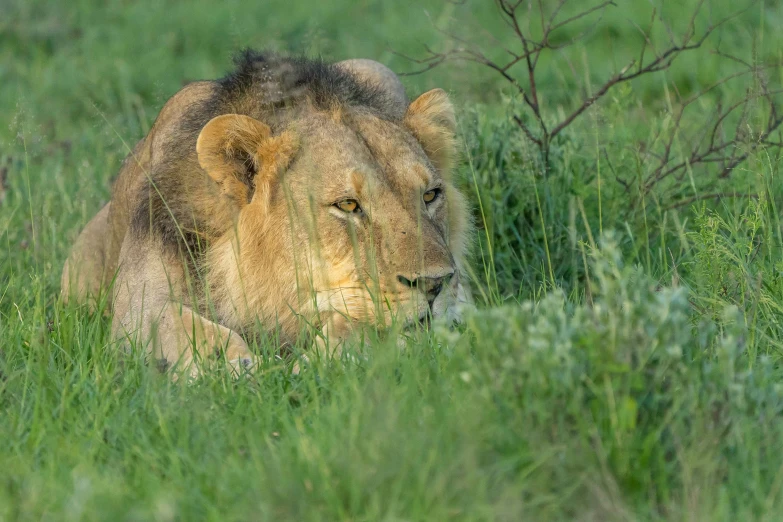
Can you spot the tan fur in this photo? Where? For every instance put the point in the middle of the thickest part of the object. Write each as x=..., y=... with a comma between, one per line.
x=229, y=135
x=431, y=119
x=278, y=252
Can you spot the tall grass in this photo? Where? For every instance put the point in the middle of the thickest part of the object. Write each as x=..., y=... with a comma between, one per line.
x=623, y=362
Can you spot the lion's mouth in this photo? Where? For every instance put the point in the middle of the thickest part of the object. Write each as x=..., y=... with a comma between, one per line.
x=422, y=322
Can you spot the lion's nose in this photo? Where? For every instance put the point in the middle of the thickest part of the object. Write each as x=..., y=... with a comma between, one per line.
x=431, y=286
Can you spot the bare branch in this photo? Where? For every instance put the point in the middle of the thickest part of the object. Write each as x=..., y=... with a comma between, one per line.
x=614, y=80
x=581, y=15
x=718, y=195
x=709, y=142
x=527, y=130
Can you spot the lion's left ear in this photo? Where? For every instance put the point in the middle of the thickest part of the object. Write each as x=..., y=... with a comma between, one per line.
x=430, y=118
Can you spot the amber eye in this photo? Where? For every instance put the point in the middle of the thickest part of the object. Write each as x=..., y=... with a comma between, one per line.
x=431, y=195
x=348, y=205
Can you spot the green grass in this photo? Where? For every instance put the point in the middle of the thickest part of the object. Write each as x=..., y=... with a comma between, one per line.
x=624, y=362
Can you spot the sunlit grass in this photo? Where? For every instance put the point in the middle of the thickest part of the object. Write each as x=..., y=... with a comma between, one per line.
x=629, y=375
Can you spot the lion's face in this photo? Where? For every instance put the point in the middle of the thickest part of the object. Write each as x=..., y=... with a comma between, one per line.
x=352, y=219
x=373, y=210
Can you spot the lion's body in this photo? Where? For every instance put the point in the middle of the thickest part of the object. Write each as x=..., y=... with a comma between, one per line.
x=226, y=217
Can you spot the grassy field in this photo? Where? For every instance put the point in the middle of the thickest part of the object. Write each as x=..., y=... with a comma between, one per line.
x=624, y=362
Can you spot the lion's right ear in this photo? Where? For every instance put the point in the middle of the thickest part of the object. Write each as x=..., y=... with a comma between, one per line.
x=242, y=156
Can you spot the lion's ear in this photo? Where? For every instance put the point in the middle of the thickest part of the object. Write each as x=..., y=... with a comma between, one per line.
x=430, y=118
x=242, y=156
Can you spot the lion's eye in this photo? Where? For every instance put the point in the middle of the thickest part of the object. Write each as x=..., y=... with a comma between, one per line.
x=431, y=195
x=348, y=205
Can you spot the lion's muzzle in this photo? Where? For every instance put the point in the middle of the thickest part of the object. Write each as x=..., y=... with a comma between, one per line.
x=432, y=286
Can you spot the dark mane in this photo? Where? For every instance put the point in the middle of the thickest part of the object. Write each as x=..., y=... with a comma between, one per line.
x=266, y=81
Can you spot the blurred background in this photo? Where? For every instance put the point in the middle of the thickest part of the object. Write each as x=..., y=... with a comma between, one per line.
x=82, y=81
x=622, y=163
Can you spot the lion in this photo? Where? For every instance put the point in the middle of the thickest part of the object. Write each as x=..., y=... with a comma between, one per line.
x=290, y=192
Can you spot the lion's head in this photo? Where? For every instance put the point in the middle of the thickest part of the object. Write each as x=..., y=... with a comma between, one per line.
x=343, y=207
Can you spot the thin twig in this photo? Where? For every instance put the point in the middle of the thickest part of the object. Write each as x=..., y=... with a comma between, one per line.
x=710, y=144
x=718, y=195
